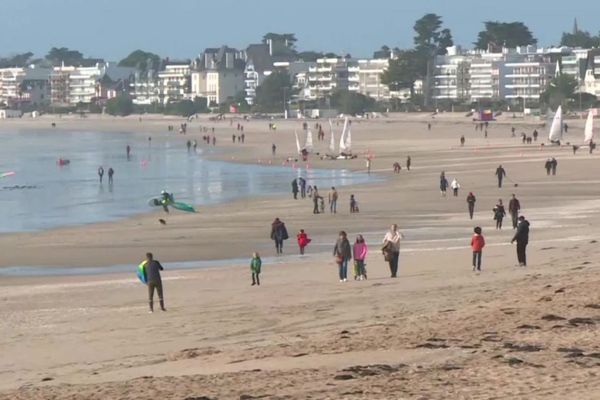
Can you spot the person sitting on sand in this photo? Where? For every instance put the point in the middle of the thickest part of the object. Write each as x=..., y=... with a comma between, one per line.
x=255, y=267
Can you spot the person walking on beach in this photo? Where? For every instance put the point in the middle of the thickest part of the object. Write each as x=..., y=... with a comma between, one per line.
x=408, y=162
x=279, y=233
x=303, y=241
x=443, y=184
x=302, y=183
x=535, y=135
x=343, y=254
x=316, y=197
x=100, y=173
x=353, y=205
x=359, y=251
x=548, y=166
x=111, y=172
x=391, y=249
x=333, y=198
x=499, y=214
x=195, y=145
x=514, y=206
x=397, y=168
x=154, y=281
x=471, y=199
x=255, y=267
x=455, y=186
x=273, y=149
x=128, y=151
x=500, y=174
x=477, y=245
x=295, y=189
x=462, y=140
x=368, y=165
x=554, y=164
x=522, y=239
x=188, y=144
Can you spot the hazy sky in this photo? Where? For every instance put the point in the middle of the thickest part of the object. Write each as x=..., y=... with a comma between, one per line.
x=183, y=28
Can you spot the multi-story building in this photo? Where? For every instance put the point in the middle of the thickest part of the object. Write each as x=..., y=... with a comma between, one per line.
x=592, y=73
x=259, y=65
x=328, y=75
x=451, y=78
x=174, y=82
x=369, y=78
x=528, y=79
x=24, y=87
x=144, y=88
x=218, y=75
x=70, y=85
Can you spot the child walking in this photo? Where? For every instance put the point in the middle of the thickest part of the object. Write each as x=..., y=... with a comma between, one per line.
x=255, y=266
x=303, y=240
x=359, y=251
x=477, y=245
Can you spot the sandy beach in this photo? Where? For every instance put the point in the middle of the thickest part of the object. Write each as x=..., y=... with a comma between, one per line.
x=439, y=331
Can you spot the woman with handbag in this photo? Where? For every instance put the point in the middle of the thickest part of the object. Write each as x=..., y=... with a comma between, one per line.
x=391, y=248
x=343, y=254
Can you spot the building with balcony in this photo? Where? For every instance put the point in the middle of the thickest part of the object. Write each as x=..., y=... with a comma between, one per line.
x=218, y=75
x=526, y=80
x=368, y=78
x=24, y=88
x=144, y=88
x=328, y=75
x=451, y=78
x=174, y=82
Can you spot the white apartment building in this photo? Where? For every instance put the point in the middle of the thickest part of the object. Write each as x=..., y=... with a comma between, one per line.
x=24, y=86
x=174, y=82
x=369, y=78
x=83, y=86
x=144, y=88
x=217, y=85
x=328, y=75
x=527, y=80
x=450, y=78
x=592, y=75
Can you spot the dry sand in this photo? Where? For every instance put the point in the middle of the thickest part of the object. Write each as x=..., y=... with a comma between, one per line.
x=437, y=332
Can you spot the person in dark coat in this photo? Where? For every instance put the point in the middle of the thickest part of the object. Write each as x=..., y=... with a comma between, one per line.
x=302, y=183
x=343, y=254
x=443, y=183
x=514, y=206
x=522, y=239
x=471, y=199
x=279, y=233
x=408, y=162
x=152, y=270
x=295, y=188
x=554, y=164
x=500, y=174
x=499, y=214
x=548, y=166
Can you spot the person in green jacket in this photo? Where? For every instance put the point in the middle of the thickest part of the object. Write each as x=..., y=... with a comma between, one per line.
x=255, y=265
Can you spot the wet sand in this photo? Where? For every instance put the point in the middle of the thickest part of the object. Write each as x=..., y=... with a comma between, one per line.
x=439, y=331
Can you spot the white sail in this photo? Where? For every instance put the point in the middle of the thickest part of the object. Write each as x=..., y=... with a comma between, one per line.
x=332, y=141
x=348, y=142
x=556, y=128
x=308, y=145
x=589, y=128
x=343, y=137
x=297, y=143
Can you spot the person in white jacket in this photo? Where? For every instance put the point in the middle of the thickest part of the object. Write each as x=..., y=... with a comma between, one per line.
x=391, y=248
x=455, y=186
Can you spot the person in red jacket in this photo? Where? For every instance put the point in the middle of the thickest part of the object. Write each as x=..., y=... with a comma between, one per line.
x=303, y=240
x=477, y=245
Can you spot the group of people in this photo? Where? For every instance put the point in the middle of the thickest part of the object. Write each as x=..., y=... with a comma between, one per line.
x=240, y=138
x=550, y=166
x=398, y=167
x=111, y=173
x=299, y=186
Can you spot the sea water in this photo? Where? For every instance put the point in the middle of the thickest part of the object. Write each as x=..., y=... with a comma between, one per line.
x=43, y=195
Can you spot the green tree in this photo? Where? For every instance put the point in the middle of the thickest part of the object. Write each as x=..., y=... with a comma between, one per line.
x=273, y=92
x=58, y=55
x=403, y=71
x=580, y=39
x=120, y=105
x=351, y=103
x=310, y=56
x=18, y=60
x=283, y=44
x=142, y=60
x=430, y=38
x=504, y=34
x=383, y=52
x=561, y=91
